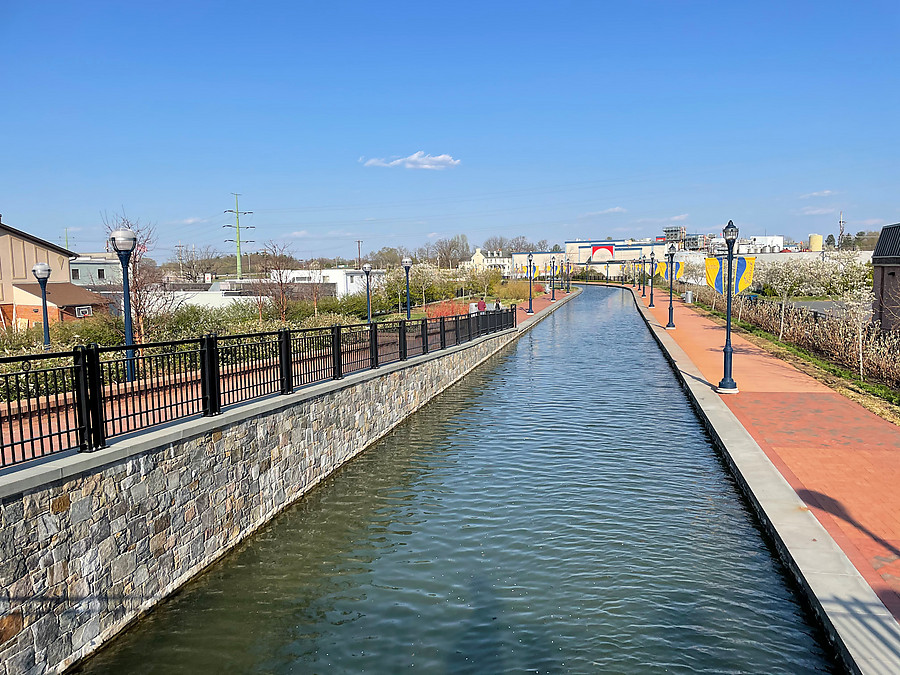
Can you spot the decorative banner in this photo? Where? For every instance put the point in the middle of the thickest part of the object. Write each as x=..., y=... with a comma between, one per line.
x=662, y=269
x=717, y=269
x=608, y=247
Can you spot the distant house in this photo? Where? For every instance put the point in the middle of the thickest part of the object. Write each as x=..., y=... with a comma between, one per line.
x=886, y=277
x=20, y=293
x=96, y=269
x=491, y=260
x=338, y=282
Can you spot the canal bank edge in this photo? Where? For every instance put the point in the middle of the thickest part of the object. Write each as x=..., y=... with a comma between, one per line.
x=859, y=626
x=89, y=542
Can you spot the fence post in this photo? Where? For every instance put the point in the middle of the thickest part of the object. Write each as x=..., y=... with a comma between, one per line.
x=443, y=333
x=469, y=327
x=424, y=336
x=82, y=399
x=402, y=336
x=456, y=329
x=373, y=345
x=97, y=423
x=515, y=316
x=209, y=375
x=285, y=361
x=337, y=354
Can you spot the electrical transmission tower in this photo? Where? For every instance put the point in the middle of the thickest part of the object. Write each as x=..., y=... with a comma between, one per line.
x=237, y=229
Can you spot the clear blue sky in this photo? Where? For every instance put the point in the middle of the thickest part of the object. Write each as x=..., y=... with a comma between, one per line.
x=555, y=120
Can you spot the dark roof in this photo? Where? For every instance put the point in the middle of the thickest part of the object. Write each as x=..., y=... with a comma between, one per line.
x=887, y=250
x=6, y=229
x=64, y=294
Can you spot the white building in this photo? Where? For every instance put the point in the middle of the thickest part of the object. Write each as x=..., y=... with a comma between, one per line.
x=493, y=260
x=96, y=269
x=347, y=281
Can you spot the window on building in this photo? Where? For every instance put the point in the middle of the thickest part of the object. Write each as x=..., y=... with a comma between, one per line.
x=101, y=273
x=76, y=273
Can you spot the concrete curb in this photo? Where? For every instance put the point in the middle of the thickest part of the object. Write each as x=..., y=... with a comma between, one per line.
x=862, y=630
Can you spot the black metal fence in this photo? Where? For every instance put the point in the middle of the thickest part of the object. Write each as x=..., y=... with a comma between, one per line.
x=53, y=402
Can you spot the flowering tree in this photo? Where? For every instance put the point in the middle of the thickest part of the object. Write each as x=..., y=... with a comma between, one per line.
x=789, y=278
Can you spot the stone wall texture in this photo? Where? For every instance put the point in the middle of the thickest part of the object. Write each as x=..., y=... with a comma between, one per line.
x=82, y=557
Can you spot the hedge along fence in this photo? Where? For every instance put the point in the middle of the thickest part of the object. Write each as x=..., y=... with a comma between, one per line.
x=834, y=338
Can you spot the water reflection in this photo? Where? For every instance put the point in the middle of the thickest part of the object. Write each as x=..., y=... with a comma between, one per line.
x=560, y=510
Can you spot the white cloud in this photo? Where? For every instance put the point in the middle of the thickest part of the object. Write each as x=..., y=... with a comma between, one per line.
x=417, y=160
x=821, y=193
x=670, y=219
x=678, y=219
x=188, y=221
x=298, y=234
x=814, y=211
x=872, y=221
x=432, y=235
x=614, y=209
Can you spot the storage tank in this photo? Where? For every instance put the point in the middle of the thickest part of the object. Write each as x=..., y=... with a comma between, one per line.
x=815, y=242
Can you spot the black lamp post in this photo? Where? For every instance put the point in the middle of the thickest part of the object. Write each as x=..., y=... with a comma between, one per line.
x=671, y=271
x=367, y=268
x=634, y=273
x=728, y=385
x=568, y=275
x=530, y=278
x=652, y=275
x=407, y=263
x=552, y=278
x=607, y=272
x=41, y=272
x=123, y=242
x=643, y=276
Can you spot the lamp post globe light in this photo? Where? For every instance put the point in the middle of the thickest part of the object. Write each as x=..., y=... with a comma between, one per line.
x=407, y=263
x=41, y=272
x=552, y=278
x=652, y=275
x=727, y=384
x=530, y=278
x=670, y=270
x=643, y=276
x=123, y=242
x=367, y=268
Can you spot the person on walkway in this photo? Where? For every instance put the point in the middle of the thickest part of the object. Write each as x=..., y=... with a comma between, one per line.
x=497, y=305
x=482, y=305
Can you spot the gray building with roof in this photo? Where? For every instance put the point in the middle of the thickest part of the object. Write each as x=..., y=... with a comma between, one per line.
x=886, y=277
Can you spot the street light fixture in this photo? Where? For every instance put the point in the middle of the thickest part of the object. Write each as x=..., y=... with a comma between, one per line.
x=407, y=263
x=727, y=384
x=652, y=275
x=552, y=278
x=123, y=242
x=671, y=272
x=41, y=272
x=530, y=277
x=568, y=275
x=367, y=268
x=643, y=276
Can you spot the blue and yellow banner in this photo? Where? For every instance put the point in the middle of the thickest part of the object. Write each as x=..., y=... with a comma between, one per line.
x=662, y=269
x=717, y=269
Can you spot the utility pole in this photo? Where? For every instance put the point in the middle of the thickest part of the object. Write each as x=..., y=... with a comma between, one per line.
x=359, y=254
x=179, y=253
x=237, y=229
x=840, y=241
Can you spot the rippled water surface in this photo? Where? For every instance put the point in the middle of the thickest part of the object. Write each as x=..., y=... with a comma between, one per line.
x=560, y=510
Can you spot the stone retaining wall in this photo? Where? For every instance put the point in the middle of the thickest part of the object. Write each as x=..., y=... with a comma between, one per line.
x=90, y=541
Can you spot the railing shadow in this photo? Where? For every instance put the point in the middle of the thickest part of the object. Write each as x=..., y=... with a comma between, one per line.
x=835, y=508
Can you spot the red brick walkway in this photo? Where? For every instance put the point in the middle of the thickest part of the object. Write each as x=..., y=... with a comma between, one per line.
x=843, y=461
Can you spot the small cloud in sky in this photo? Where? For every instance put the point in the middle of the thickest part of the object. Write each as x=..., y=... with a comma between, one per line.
x=298, y=234
x=614, y=209
x=820, y=193
x=417, y=160
x=814, y=211
x=188, y=221
x=432, y=235
x=678, y=219
x=871, y=221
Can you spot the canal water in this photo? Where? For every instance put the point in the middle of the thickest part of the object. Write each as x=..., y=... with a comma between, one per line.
x=560, y=510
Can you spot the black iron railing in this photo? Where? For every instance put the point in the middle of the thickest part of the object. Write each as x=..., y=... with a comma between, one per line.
x=50, y=403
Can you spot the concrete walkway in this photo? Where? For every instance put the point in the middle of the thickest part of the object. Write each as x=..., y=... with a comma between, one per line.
x=842, y=461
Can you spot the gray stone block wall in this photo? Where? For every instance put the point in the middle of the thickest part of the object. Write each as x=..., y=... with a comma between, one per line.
x=82, y=557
